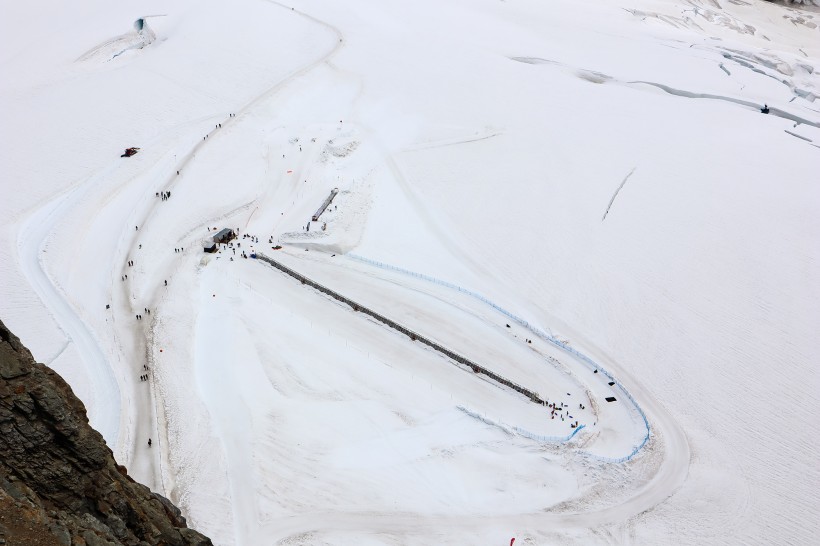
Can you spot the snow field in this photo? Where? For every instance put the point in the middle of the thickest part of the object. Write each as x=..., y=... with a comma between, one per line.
x=476, y=142
x=334, y=417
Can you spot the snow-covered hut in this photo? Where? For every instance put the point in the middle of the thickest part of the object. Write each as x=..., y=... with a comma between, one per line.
x=225, y=235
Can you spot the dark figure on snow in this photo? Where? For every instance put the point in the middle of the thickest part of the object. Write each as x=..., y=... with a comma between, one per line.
x=765, y=109
x=149, y=442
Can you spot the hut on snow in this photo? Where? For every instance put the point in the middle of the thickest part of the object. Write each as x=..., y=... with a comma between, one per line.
x=224, y=236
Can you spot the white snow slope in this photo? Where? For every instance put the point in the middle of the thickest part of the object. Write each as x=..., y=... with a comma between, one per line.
x=548, y=189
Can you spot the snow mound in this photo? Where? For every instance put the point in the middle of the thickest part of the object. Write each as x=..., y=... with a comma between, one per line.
x=142, y=36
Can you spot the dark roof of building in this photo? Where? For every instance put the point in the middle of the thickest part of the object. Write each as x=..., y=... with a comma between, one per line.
x=226, y=233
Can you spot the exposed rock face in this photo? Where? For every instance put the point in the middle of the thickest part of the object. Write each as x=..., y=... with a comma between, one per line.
x=59, y=483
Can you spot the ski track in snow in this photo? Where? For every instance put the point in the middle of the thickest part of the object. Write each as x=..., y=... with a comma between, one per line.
x=105, y=417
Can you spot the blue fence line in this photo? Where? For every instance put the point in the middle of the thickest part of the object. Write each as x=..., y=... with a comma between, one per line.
x=520, y=431
x=549, y=338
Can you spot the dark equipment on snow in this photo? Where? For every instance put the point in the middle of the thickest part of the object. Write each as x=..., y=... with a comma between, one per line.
x=129, y=152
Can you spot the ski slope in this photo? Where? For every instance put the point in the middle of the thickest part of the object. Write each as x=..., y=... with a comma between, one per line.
x=584, y=198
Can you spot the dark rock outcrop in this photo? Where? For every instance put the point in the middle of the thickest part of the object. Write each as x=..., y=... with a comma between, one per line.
x=59, y=482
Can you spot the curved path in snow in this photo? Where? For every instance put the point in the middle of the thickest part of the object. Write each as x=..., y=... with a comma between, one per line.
x=671, y=474
x=576, y=355
x=106, y=414
x=151, y=428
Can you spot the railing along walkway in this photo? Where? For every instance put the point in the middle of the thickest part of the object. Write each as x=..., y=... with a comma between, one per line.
x=477, y=368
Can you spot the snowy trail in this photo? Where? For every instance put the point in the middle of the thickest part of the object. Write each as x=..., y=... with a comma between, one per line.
x=118, y=403
x=105, y=414
x=413, y=335
x=671, y=473
x=366, y=276
x=151, y=427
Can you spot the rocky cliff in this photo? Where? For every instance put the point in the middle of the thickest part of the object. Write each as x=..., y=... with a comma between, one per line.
x=59, y=482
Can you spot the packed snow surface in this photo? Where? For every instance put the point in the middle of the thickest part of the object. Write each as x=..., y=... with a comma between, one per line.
x=582, y=197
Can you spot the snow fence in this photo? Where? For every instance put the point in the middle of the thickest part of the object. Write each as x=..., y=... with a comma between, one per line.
x=476, y=368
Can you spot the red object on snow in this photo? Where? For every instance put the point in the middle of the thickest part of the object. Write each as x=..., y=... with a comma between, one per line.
x=512, y=540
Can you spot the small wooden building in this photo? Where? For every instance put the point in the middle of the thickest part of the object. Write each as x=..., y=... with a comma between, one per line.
x=209, y=247
x=224, y=236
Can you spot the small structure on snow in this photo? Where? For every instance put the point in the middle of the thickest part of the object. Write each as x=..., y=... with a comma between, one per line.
x=224, y=236
x=130, y=151
x=209, y=247
x=324, y=206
